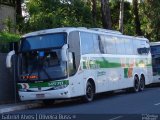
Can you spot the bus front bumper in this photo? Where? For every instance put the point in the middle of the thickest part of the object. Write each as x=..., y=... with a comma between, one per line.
x=41, y=95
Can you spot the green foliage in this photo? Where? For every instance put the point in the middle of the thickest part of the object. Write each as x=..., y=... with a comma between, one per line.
x=128, y=16
x=8, y=24
x=5, y=40
x=150, y=19
x=45, y=14
x=8, y=37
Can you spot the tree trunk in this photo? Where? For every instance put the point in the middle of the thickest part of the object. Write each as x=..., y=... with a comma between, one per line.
x=18, y=9
x=121, y=15
x=136, y=18
x=106, y=16
x=94, y=12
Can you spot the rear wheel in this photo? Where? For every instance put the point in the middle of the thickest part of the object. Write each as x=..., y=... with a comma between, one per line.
x=142, y=83
x=89, y=92
x=136, y=84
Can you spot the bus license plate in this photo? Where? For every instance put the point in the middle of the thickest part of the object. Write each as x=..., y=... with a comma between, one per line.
x=40, y=95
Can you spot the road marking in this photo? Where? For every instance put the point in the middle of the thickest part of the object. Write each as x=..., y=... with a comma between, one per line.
x=157, y=104
x=115, y=118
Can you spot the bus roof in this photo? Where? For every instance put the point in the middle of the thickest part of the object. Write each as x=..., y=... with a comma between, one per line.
x=91, y=30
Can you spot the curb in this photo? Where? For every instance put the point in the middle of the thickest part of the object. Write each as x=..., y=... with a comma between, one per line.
x=16, y=107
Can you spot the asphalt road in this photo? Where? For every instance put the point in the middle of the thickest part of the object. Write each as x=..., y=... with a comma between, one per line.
x=118, y=106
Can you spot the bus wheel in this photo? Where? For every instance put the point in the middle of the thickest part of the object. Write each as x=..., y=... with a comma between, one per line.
x=89, y=92
x=142, y=83
x=48, y=102
x=136, y=84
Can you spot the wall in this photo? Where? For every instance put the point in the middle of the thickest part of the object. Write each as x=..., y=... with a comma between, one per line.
x=7, y=89
x=5, y=12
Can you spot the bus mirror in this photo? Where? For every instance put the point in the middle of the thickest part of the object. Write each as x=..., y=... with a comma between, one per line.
x=64, y=52
x=9, y=59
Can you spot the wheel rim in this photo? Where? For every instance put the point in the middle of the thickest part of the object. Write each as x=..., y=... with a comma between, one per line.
x=141, y=84
x=89, y=93
x=136, y=84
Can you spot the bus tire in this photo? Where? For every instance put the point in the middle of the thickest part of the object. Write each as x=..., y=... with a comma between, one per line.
x=142, y=83
x=89, y=92
x=136, y=84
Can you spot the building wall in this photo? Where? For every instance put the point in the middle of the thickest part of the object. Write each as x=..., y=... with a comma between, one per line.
x=5, y=12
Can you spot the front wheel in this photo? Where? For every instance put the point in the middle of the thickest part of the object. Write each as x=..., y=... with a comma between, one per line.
x=89, y=92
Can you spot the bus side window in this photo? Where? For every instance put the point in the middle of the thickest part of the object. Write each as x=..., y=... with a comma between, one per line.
x=96, y=44
x=74, y=50
x=87, y=45
x=110, y=45
x=129, y=46
x=141, y=47
x=120, y=45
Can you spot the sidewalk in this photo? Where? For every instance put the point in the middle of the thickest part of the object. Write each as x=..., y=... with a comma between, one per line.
x=18, y=106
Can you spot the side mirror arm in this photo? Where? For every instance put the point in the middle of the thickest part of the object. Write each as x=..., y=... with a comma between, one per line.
x=9, y=59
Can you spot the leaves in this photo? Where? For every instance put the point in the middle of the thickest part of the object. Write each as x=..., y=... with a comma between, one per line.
x=45, y=14
x=150, y=18
x=8, y=37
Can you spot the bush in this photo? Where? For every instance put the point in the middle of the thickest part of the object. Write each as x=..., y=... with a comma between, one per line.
x=6, y=39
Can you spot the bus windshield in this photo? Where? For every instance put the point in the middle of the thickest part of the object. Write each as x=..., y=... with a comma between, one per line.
x=40, y=58
x=43, y=41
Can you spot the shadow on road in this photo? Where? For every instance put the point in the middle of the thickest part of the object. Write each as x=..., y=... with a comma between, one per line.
x=79, y=101
x=99, y=97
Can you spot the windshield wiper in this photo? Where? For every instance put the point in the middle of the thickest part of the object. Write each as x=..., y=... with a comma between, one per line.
x=40, y=68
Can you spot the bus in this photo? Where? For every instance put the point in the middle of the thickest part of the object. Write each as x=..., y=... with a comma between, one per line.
x=73, y=62
x=155, y=52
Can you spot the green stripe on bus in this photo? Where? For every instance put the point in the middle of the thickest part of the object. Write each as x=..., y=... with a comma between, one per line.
x=95, y=63
x=45, y=84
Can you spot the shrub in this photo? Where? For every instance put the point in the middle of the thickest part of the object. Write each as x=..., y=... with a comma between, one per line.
x=6, y=39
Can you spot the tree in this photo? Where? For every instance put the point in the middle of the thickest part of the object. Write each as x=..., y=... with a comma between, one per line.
x=106, y=16
x=136, y=18
x=121, y=14
x=150, y=17
x=45, y=14
x=94, y=12
x=18, y=8
x=19, y=18
x=128, y=25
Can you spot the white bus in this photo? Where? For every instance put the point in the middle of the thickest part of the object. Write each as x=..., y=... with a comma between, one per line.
x=155, y=51
x=71, y=62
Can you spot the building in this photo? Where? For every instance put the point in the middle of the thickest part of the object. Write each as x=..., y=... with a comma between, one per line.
x=7, y=11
